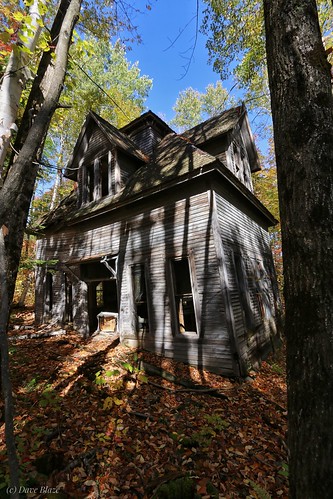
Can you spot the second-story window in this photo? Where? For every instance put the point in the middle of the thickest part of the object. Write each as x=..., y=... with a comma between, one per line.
x=99, y=178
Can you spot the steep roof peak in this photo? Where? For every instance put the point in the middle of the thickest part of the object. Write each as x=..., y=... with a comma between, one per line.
x=215, y=126
x=149, y=118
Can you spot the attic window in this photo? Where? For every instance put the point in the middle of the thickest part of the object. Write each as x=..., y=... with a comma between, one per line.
x=98, y=179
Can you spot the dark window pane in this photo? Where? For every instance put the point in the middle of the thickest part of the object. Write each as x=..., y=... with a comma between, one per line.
x=140, y=297
x=183, y=296
x=182, y=276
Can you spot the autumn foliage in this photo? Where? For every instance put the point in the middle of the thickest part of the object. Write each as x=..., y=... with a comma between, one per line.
x=90, y=423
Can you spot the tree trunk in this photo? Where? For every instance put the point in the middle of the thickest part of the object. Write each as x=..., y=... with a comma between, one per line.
x=23, y=296
x=56, y=186
x=38, y=90
x=20, y=179
x=15, y=197
x=302, y=107
x=5, y=374
x=14, y=80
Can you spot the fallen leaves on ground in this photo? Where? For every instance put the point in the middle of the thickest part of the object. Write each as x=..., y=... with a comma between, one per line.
x=90, y=424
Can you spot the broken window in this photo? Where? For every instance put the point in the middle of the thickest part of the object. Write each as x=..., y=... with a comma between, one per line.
x=183, y=296
x=48, y=292
x=140, y=297
x=99, y=179
x=244, y=292
x=68, y=300
x=263, y=290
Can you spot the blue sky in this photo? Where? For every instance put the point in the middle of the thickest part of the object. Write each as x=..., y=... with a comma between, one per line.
x=171, y=21
x=164, y=61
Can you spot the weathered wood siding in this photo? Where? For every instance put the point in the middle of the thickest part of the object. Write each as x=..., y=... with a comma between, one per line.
x=181, y=227
x=178, y=229
x=245, y=237
x=146, y=139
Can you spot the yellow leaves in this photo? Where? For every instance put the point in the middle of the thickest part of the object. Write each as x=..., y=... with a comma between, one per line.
x=140, y=459
x=110, y=401
x=18, y=16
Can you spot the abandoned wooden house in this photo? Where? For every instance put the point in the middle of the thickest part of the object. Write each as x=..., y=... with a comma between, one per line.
x=164, y=242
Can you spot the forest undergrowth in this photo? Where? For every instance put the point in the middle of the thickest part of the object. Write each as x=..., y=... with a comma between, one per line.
x=91, y=423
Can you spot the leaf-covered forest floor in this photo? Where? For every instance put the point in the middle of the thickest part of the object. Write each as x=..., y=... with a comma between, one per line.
x=90, y=424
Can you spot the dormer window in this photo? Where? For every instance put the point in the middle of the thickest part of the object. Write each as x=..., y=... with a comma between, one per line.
x=99, y=178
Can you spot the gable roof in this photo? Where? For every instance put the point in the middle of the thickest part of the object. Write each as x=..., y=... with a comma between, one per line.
x=147, y=119
x=176, y=158
x=115, y=137
x=222, y=124
x=176, y=161
x=215, y=126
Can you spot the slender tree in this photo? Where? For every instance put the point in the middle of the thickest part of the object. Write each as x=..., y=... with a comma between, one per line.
x=17, y=73
x=6, y=386
x=302, y=106
x=15, y=197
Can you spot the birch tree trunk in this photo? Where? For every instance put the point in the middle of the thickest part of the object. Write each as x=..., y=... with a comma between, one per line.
x=302, y=106
x=58, y=179
x=15, y=78
x=56, y=186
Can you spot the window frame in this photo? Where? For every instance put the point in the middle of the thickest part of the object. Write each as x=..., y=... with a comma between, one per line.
x=49, y=291
x=194, y=292
x=144, y=266
x=99, y=175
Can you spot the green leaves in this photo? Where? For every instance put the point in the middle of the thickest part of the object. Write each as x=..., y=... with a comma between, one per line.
x=236, y=39
x=18, y=16
x=193, y=107
x=100, y=376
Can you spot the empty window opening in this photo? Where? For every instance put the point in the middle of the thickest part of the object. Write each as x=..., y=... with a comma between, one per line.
x=49, y=292
x=244, y=292
x=99, y=180
x=263, y=290
x=104, y=171
x=140, y=298
x=106, y=296
x=91, y=182
x=183, y=296
x=99, y=295
x=68, y=300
